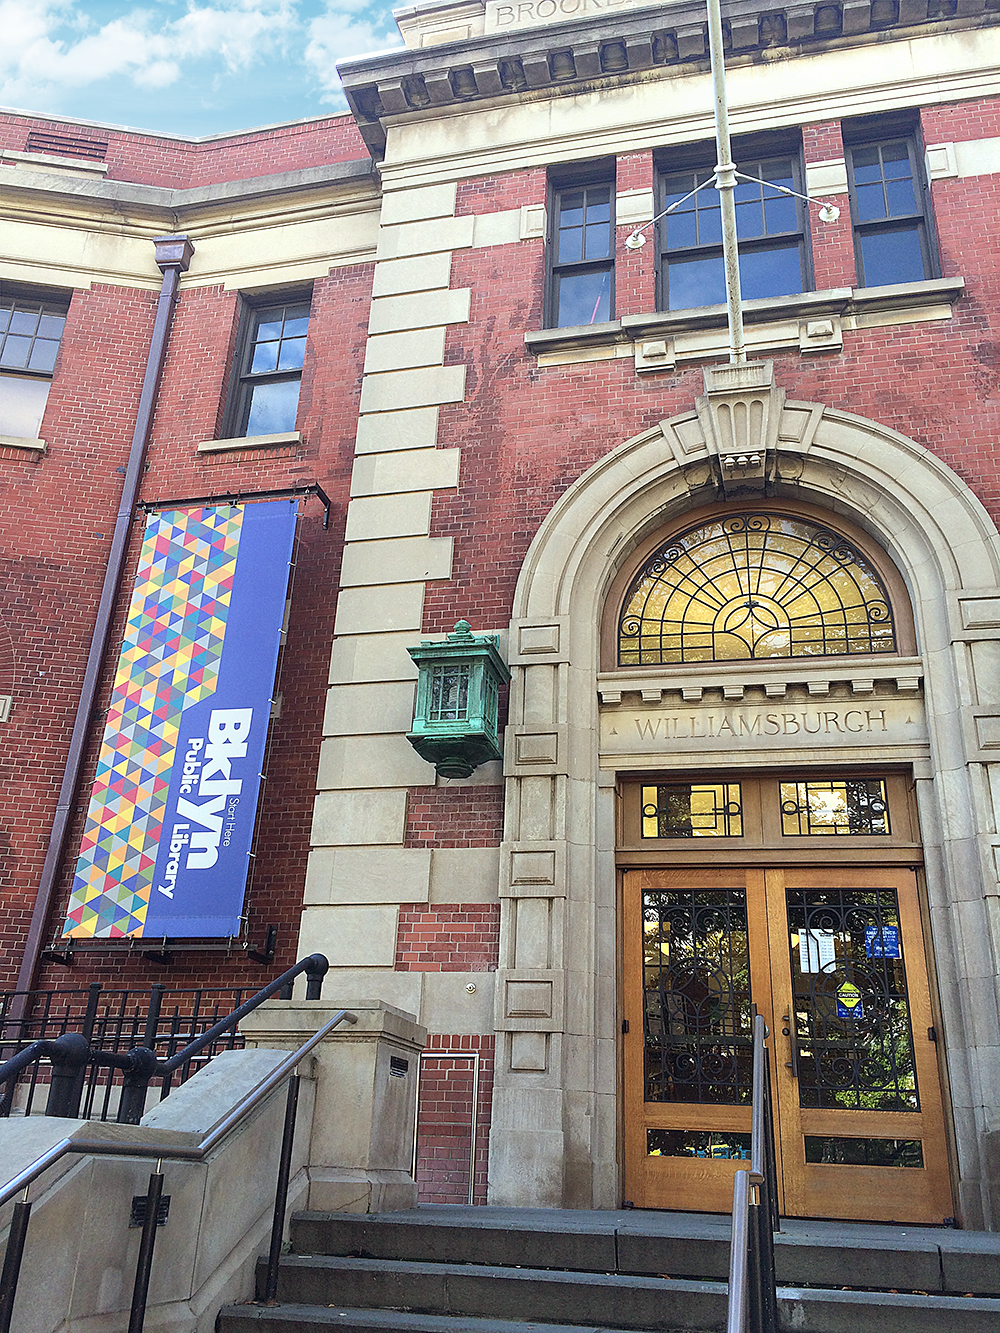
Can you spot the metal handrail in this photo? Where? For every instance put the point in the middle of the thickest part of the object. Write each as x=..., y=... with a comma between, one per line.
x=736, y=1319
x=182, y=1153
x=753, y=1302
x=144, y=1062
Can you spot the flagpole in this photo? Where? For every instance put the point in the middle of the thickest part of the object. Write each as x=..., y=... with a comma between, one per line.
x=725, y=183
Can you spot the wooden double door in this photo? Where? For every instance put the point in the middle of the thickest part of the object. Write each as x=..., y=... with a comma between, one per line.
x=833, y=957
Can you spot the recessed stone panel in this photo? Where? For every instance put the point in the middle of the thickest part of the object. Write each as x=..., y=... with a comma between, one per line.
x=538, y=639
x=714, y=727
x=536, y=749
x=529, y=999
x=533, y=867
x=981, y=613
x=528, y=1051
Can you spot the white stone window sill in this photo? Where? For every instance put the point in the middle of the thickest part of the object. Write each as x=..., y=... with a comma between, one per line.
x=251, y=442
x=811, y=321
x=22, y=442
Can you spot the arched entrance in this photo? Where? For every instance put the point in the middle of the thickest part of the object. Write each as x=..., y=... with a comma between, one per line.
x=793, y=891
x=558, y=1113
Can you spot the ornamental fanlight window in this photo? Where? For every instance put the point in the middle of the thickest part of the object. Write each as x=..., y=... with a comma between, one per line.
x=456, y=722
x=754, y=585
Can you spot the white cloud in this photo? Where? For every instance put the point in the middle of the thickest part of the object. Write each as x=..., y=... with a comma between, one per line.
x=51, y=46
x=346, y=28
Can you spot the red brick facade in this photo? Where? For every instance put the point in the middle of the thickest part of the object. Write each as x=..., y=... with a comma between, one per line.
x=445, y=1118
x=454, y=816
x=526, y=431
x=448, y=937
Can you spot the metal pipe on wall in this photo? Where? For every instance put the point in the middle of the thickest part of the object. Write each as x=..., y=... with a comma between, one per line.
x=173, y=257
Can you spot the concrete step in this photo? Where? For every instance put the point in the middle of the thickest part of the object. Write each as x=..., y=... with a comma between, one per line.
x=305, y=1318
x=680, y=1245
x=327, y=1291
x=604, y=1299
x=800, y=1311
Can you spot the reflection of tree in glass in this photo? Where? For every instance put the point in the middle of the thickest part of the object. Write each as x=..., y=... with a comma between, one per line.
x=697, y=999
x=862, y=1058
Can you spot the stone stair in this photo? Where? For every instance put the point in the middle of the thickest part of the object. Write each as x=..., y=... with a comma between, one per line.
x=505, y=1270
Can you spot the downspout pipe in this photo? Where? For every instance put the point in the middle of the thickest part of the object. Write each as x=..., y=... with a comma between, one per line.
x=725, y=183
x=173, y=257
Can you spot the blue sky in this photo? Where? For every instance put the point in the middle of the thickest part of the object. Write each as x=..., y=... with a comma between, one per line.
x=189, y=67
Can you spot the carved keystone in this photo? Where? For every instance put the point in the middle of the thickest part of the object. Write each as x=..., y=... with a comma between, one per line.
x=740, y=414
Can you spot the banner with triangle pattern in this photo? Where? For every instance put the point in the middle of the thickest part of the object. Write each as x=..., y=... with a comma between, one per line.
x=173, y=806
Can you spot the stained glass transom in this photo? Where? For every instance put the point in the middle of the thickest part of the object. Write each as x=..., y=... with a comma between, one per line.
x=754, y=586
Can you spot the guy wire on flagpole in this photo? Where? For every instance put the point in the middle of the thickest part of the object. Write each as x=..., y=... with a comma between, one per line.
x=724, y=180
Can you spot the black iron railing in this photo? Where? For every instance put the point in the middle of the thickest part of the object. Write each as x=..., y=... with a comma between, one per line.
x=197, y=1153
x=119, y=1046
x=753, y=1298
x=110, y=1019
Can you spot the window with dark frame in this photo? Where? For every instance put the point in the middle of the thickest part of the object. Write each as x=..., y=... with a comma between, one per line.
x=581, y=252
x=269, y=367
x=889, y=212
x=31, y=330
x=771, y=227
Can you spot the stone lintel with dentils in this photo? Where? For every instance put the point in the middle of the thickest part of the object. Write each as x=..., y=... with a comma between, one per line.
x=623, y=44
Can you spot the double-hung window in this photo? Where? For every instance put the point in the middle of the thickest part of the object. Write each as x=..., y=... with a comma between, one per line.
x=771, y=229
x=30, y=333
x=269, y=368
x=889, y=212
x=581, y=252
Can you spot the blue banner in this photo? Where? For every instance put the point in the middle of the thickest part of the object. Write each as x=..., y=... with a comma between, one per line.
x=174, y=804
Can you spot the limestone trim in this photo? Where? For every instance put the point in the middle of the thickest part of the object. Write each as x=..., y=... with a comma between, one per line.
x=262, y=188
x=592, y=52
x=88, y=234
x=948, y=553
x=49, y=162
x=360, y=872
x=966, y=157
x=814, y=322
x=250, y=442
x=665, y=107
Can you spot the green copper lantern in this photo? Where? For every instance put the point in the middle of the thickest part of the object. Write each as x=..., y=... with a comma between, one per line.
x=456, y=720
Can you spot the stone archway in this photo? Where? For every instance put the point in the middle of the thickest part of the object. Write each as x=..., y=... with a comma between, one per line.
x=555, y=1109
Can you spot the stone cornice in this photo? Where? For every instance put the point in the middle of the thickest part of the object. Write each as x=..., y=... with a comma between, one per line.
x=338, y=176
x=572, y=55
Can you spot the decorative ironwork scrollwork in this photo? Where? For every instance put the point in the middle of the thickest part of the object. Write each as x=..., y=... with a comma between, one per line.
x=754, y=586
x=696, y=996
x=852, y=1014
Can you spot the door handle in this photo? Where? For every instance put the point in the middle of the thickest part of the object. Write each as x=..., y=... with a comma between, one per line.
x=793, y=1063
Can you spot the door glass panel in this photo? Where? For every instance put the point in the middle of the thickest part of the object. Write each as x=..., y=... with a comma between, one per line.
x=856, y=805
x=696, y=996
x=852, y=1016
x=697, y=1143
x=829, y=1151
x=686, y=810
